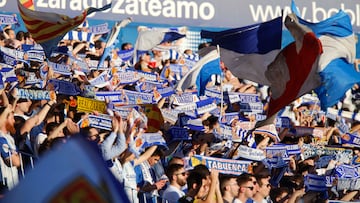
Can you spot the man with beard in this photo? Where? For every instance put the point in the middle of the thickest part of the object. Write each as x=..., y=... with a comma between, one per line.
x=177, y=176
x=10, y=159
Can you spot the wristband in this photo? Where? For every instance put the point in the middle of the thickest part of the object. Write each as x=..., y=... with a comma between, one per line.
x=48, y=104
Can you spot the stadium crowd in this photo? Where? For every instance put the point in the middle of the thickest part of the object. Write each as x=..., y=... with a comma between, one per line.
x=163, y=145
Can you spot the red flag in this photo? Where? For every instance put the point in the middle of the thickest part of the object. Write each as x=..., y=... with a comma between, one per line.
x=294, y=71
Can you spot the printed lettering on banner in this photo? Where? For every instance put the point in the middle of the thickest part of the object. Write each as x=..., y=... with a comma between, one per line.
x=277, y=151
x=188, y=107
x=225, y=132
x=249, y=98
x=99, y=29
x=252, y=107
x=178, y=133
x=127, y=77
x=206, y=108
x=170, y=115
x=115, y=97
x=185, y=99
x=13, y=53
x=34, y=94
x=90, y=105
x=100, y=121
x=8, y=19
x=283, y=122
x=138, y=97
x=246, y=125
x=227, y=166
x=249, y=153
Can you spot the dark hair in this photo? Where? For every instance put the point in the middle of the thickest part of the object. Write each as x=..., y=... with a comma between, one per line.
x=2, y=36
x=57, y=141
x=292, y=182
x=158, y=152
x=194, y=178
x=260, y=168
x=276, y=192
x=202, y=169
x=211, y=121
x=224, y=179
x=77, y=116
x=98, y=44
x=259, y=178
x=19, y=122
x=123, y=45
x=2, y=109
x=50, y=144
x=82, y=50
x=50, y=127
x=27, y=35
x=243, y=178
x=20, y=35
x=7, y=31
x=171, y=170
x=302, y=167
x=203, y=45
x=173, y=159
x=85, y=131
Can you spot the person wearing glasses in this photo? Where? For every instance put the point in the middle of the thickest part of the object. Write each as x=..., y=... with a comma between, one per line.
x=247, y=188
x=261, y=196
x=177, y=176
x=256, y=187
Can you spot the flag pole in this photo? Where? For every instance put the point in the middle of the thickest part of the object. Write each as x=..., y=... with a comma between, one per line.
x=221, y=87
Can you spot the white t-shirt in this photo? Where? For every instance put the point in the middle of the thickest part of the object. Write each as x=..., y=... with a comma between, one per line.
x=39, y=139
x=8, y=175
x=117, y=170
x=130, y=181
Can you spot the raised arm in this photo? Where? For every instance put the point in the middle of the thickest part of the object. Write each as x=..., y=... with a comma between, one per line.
x=38, y=118
x=145, y=156
x=115, y=143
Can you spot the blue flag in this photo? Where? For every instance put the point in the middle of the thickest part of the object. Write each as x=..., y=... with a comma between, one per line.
x=247, y=51
x=201, y=73
x=336, y=64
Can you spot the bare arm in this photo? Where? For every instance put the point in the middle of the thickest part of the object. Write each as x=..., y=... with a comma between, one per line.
x=263, y=143
x=78, y=48
x=349, y=196
x=212, y=198
x=4, y=98
x=4, y=115
x=115, y=143
x=57, y=130
x=355, y=128
x=161, y=103
x=283, y=133
x=145, y=156
x=15, y=160
x=329, y=133
x=37, y=119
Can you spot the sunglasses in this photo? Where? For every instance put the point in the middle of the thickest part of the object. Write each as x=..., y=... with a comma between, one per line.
x=183, y=173
x=250, y=187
